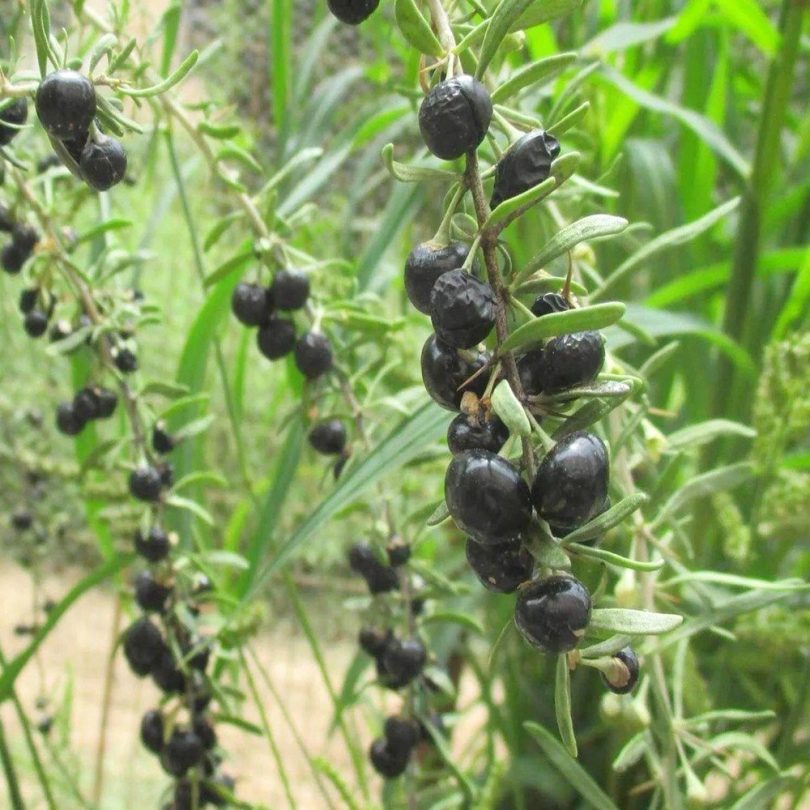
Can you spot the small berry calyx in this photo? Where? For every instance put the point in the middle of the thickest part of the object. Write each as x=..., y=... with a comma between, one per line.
x=572, y=360
x=445, y=373
x=146, y=483
x=476, y=432
x=103, y=162
x=66, y=103
x=487, y=497
x=276, y=338
x=313, y=355
x=552, y=614
x=251, y=304
x=454, y=117
x=290, y=290
x=425, y=264
x=501, y=568
x=353, y=12
x=328, y=437
x=12, y=117
x=462, y=309
x=623, y=676
x=526, y=164
x=571, y=483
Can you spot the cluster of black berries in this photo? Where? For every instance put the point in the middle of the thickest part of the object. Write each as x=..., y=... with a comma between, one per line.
x=92, y=402
x=353, y=12
x=66, y=107
x=35, y=306
x=174, y=657
x=486, y=494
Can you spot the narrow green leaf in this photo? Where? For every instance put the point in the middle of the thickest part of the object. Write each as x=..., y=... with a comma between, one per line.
x=540, y=71
x=232, y=265
x=607, y=520
x=609, y=646
x=709, y=483
x=439, y=514
x=559, y=127
x=453, y=617
x=633, y=622
x=736, y=581
x=412, y=174
x=506, y=14
x=416, y=29
x=191, y=506
x=164, y=388
x=764, y=794
x=624, y=35
x=221, y=132
x=705, y=432
x=562, y=705
x=507, y=406
x=514, y=206
x=632, y=752
x=102, y=47
x=609, y=557
x=170, y=81
x=543, y=11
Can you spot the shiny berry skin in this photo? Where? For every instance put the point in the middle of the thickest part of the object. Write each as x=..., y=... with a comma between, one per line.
x=66, y=103
x=290, y=290
x=167, y=675
x=477, y=432
x=548, y=303
x=85, y=405
x=379, y=577
x=425, y=263
x=313, y=355
x=152, y=731
x=25, y=238
x=205, y=732
x=145, y=483
x=563, y=531
x=251, y=304
x=572, y=480
x=12, y=259
x=75, y=146
x=12, y=117
x=106, y=402
x=328, y=437
x=28, y=300
x=150, y=594
x=162, y=442
x=388, y=763
x=125, y=361
x=155, y=546
x=526, y=164
x=462, y=309
x=35, y=323
x=444, y=371
x=501, y=568
x=572, y=360
x=373, y=641
x=353, y=12
x=486, y=497
x=532, y=372
x=67, y=420
x=552, y=614
x=402, y=734
x=183, y=751
x=103, y=163
x=276, y=338
x=625, y=675
x=454, y=117
x=404, y=660
x=143, y=646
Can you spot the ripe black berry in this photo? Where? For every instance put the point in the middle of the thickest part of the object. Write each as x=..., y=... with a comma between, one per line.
x=150, y=594
x=444, y=372
x=145, y=483
x=532, y=371
x=476, y=432
x=12, y=258
x=103, y=162
x=251, y=304
x=487, y=497
x=183, y=751
x=388, y=763
x=162, y=442
x=290, y=289
x=276, y=338
x=525, y=165
x=168, y=677
x=402, y=734
x=624, y=676
x=425, y=263
x=152, y=731
x=85, y=405
x=328, y=437
x=549, y=302
x=404, y=660
x=12, y=117
x=571, y=360
x=379, y=577
x=373, y=641
x=501, y=568
x=571, y=482
x=125, y=361
x=353, y=12
x=106, y=402
x=552, y=614
x=22, y=520
x=35, y=323
x=143, y=646
x=155, y=546
x=205, y=732
x=24, y=238
x=462, y=309
x=313, y=355
x=454, y=117
x=67, y=421
x=66, y=103
x=398, y=552
x=28, y=300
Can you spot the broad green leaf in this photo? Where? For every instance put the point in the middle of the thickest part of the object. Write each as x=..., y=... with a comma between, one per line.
x=611, y=558
x=563, y=323
x=569, y=769
x=705, y=432
x=507, y=406
x=539, y=71
x=506, y=14
x=633, y=622
x=416, y=29
x=562, y=705
x=161, y=87
x=709, y=483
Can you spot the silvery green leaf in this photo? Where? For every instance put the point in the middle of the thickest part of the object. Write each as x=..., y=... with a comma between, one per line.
x=509, y=409
x=632, y=752
x=412, y=174
x=708, y=483
x=540, y=71
x=610, y=558
x=633, y=622
x=562, y=705
x=609, y=646
x=607, y=520
x=704, y=432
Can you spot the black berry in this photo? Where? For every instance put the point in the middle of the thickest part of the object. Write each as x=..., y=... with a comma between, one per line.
x=487, y=497
x=66, y=103
x=313, y=355
x=501, y=568
x=525, y=165
x=379, y=577
x=425, y=263
x=462, y=309
x=168, y=677
x=290, y=289
x=476, y=432
x=388, y=763
x=22, y=520
x=125, y=361
x=145, y=483
x=24, y=238
x=572, y=480
x=328, y=437
x=404, y=660
x=154, y=546
x=67, y=421
x=402, y=734
x=571, y=360
x=353, y=12
x=35, y=323
x=454, y=117
x=553, y=613
x=12, y=259
x=276, y=338
x=162, y=442
x=549, y=302
x=85, y=405
x=373, y=641
x=12, y=117
x=143, y=646
x=152, y=727
x=532, y=372
x=251, y=304
x=183, y=751
x=398, y=552
x=205, y=732
x=106, y=402
x=624, y=675
x=103, y=163
x=151, y=594
x=445, y=372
